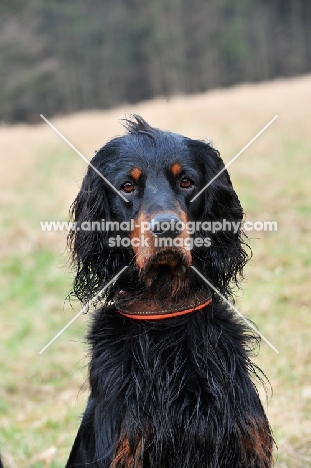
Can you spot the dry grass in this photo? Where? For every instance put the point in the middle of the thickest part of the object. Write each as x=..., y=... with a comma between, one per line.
x=39, y=178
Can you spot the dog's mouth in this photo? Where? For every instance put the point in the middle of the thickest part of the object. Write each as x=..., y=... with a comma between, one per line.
x=166, y=281
x=166, y=257
x=173, y=261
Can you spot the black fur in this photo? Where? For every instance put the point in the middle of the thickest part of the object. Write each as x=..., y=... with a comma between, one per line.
x=176, y=392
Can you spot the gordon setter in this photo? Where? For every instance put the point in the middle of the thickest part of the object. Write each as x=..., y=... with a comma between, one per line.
x=170, y=375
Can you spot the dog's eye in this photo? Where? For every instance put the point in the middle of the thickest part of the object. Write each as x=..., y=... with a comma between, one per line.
x=127, y=187
x=186, y=182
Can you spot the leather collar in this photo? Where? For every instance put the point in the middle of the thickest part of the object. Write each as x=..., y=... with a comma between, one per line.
x=149, y=310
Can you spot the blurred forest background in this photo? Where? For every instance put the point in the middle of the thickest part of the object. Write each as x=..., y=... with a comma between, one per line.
x=61, y=57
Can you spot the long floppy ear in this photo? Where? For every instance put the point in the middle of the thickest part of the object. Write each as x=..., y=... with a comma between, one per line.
x=89, y=249
x=225, y=258
x=94, y=260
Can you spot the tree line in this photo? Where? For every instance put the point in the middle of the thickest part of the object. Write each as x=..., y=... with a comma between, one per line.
x=60, y=57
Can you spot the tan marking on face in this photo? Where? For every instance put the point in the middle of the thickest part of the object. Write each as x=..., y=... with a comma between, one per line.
x=135, y=173
x=176, y=169
x=144, y=241
x=146, y=247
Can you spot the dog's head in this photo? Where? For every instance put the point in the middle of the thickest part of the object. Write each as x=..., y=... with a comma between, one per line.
x=152, y=220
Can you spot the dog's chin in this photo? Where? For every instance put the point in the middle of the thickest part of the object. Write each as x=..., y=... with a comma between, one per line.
x=172, y=263
x=166, y=283
x=166, y=270
x=165, y=280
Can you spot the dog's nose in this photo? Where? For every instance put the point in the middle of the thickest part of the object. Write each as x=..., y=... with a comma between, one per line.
x=166, y=225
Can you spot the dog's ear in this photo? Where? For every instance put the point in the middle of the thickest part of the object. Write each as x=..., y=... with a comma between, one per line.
x=219, y=205
x=87, y=240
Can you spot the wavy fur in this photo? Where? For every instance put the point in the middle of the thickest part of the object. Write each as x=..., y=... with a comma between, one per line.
x=178, y=392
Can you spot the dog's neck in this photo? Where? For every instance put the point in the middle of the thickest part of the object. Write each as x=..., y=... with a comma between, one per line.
x=151, y=310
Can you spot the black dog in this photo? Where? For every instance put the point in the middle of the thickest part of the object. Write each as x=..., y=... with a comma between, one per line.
x=170, y=373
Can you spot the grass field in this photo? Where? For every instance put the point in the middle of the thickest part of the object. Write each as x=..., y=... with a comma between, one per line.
x=42, y=396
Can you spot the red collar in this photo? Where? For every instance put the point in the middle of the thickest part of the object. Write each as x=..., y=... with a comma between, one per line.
x=150, y=315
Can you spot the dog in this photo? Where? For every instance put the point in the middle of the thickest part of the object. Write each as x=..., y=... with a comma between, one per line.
x=170, y=374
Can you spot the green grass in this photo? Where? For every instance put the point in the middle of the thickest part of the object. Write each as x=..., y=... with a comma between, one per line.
x=34, y=405
x=36, y=401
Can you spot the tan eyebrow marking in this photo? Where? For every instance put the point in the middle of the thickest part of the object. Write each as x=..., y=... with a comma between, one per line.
x=176, y=169
x=135, y=173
